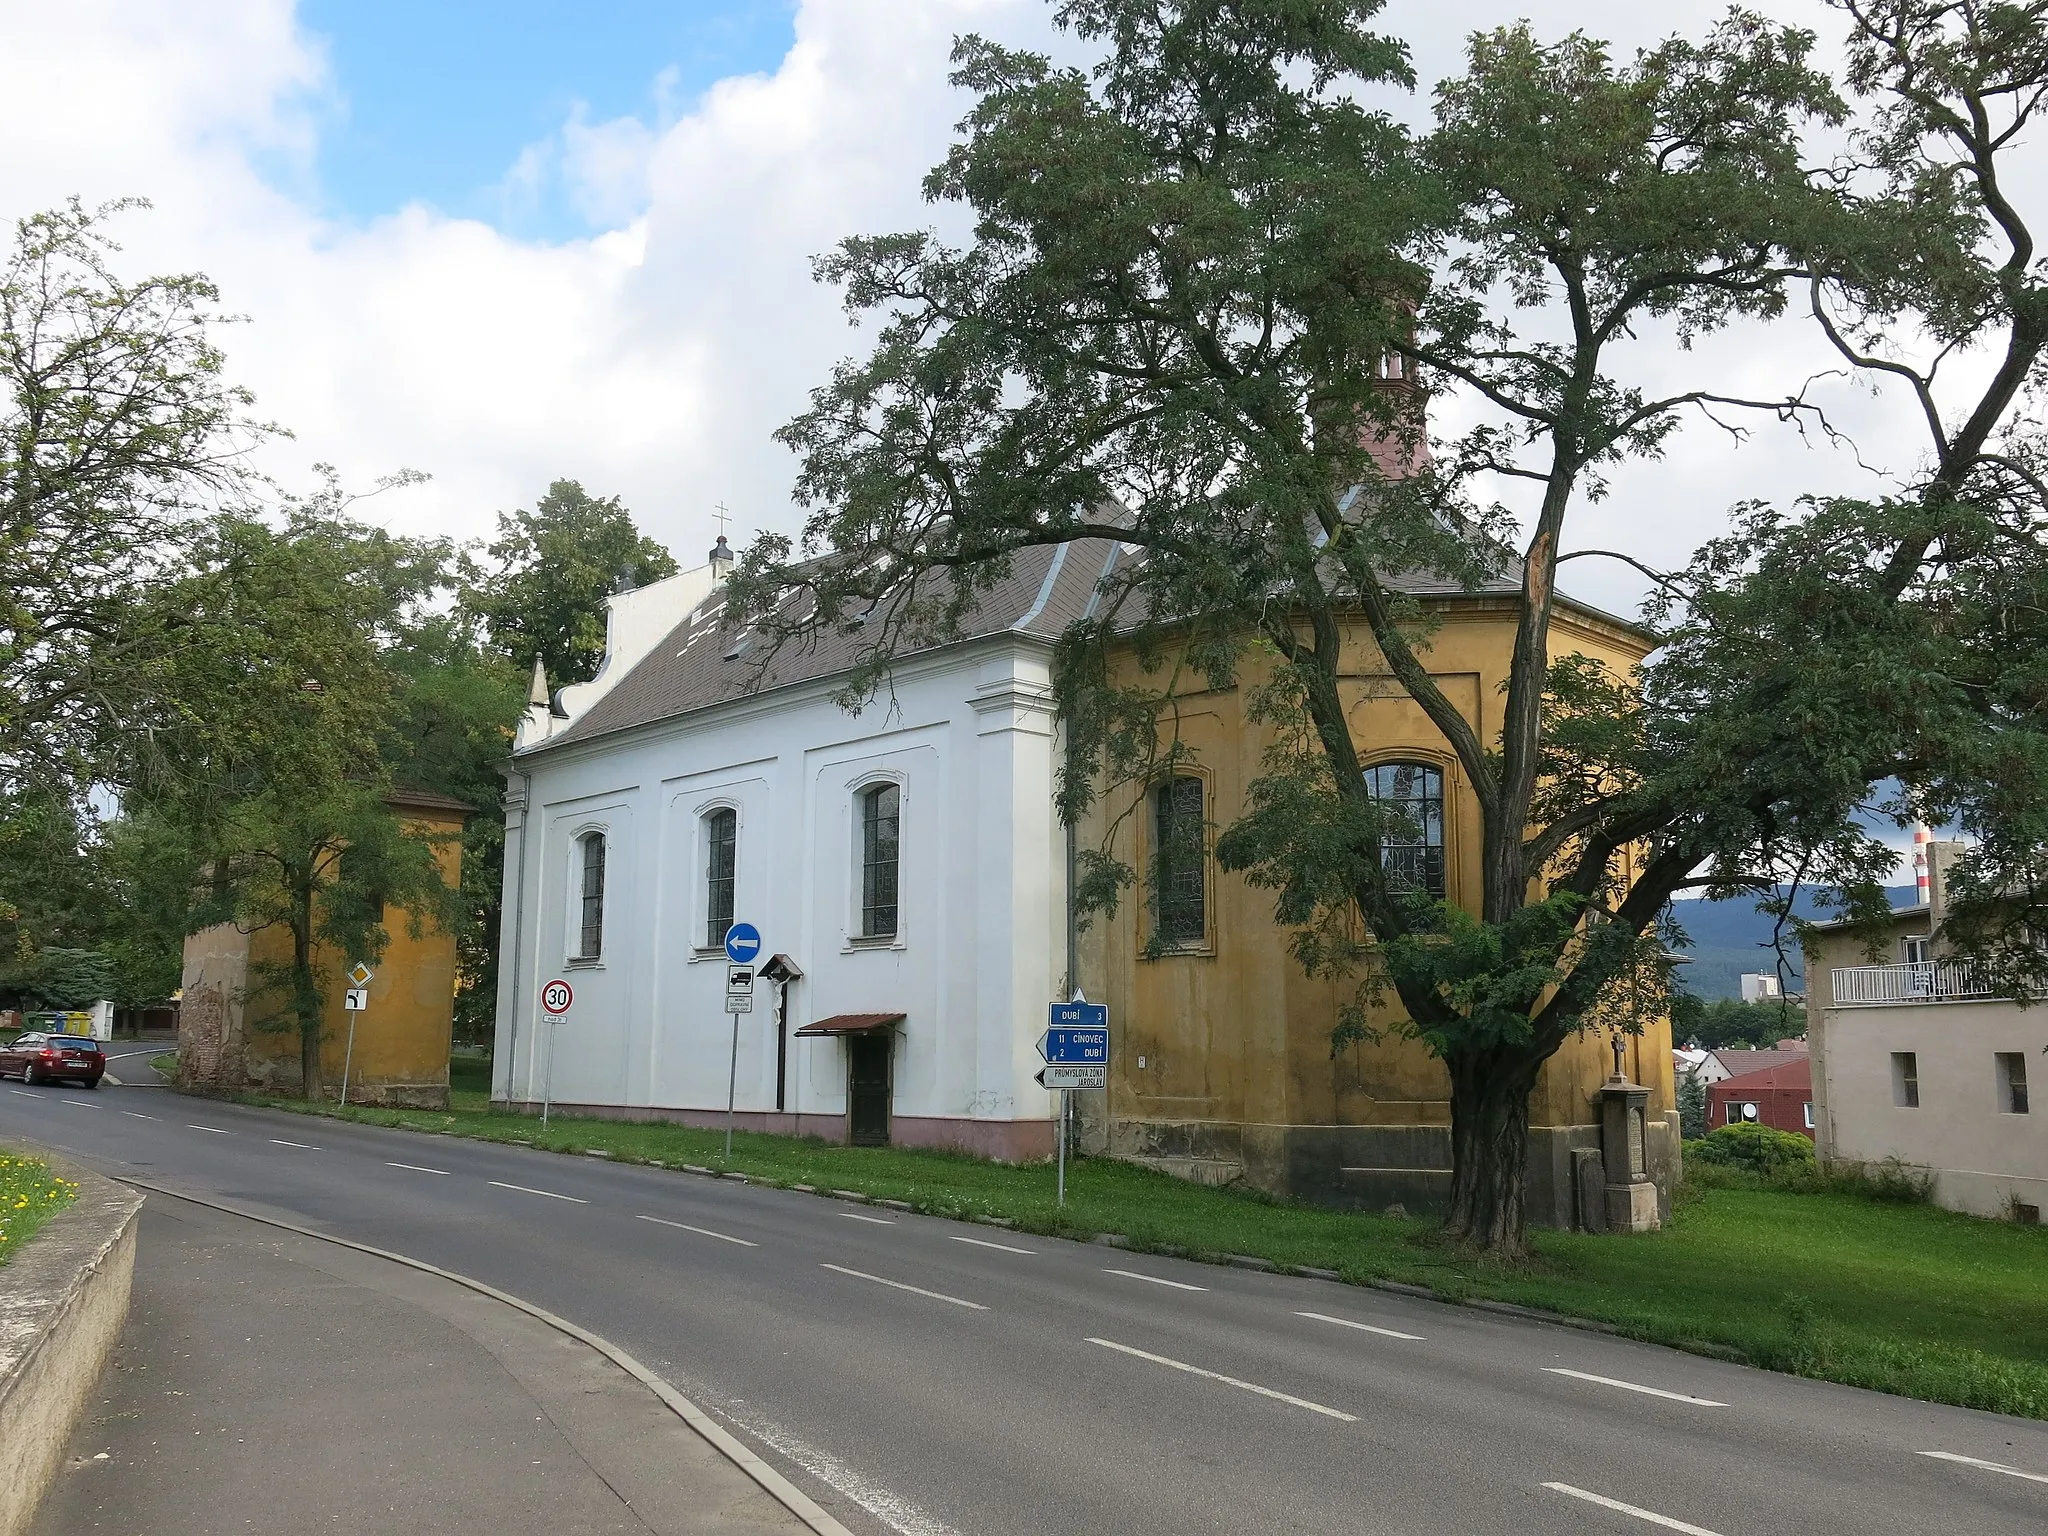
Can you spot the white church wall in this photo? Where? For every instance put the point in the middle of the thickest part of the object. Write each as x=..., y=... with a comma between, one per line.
x=966, y=734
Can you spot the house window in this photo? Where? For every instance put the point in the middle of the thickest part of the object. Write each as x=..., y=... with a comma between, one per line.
x=880, y=842
x=1906, y=1079
x=590, y=928
x=721, y=849
x=2012, y=1082
x=1412, y=845
x=1913, y=949
x=1809, y=1114
x=1740, y=1114
x=1179, y=859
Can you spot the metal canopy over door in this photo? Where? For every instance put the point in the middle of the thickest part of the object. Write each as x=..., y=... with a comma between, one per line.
x=867, y=1087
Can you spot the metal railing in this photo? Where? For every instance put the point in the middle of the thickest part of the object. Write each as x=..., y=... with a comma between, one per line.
x=1920, y=981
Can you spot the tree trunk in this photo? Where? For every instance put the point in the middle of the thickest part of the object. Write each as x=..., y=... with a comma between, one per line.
x=306, y=1000
x=1490, y=1148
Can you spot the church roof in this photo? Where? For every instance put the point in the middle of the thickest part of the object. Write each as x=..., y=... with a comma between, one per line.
x=701, y=664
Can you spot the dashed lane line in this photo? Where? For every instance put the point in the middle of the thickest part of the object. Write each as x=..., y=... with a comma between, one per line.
x=1230, y=1381
x=416, y=1168
x=136, y=1114
x=1987, y=1466
x=23, y=1093
x=982, y=1242
x=1178, y=1285
x=303, y=1146
x=525, y=1190
x=1345, y=1322
x=213, y=1130
x=1616, y=1505
x=1635, y=1386
x=915, y=1290
x=79, y=1104
x=700, y=1231
x=880, y=1221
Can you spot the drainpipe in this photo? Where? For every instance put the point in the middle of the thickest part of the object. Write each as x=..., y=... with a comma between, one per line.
x=518, y=928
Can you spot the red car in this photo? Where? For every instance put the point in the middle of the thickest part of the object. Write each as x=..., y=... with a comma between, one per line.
x=39, y=1058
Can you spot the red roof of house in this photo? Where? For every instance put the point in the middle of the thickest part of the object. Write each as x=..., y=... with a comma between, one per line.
x=1796, y=1073
x=1738, y=1063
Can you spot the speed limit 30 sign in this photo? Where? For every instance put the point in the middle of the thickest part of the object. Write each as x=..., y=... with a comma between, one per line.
x=556, y=997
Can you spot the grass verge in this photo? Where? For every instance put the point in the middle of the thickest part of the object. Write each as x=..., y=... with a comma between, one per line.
x=1900, y=1298
x=30, y=1194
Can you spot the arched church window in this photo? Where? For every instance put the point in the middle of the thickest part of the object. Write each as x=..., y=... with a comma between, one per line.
x=1179, y=861
x=880, y=839
x=590, y=930
x=721, y=864
x=1412, y=841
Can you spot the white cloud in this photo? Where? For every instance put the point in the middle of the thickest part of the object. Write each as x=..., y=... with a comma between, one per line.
x=655, y=357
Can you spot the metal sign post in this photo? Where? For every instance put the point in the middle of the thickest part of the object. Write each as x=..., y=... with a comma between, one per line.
x=1075, y=1048
x=355, y=999
x=742, y=944
x=555, y=1000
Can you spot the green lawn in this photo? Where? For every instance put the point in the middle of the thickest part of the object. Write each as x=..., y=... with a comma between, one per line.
x=1902, y=1298
x=29, y=1196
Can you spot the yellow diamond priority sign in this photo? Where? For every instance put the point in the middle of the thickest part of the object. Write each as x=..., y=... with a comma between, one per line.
x=360, y=974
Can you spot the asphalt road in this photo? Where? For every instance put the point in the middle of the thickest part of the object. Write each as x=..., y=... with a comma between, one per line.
x=929, y=1377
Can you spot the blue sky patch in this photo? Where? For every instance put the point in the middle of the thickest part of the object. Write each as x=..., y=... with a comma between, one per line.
x=438, y=98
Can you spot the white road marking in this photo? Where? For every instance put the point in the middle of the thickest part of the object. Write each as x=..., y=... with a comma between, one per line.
x=213, y=1129
x=1988, y=1466
x=1232, y=1381
x=702, y=1231
x=301, y=1145
x=578, y=1200
x=1631, y=1386
x=880, y=1221
x=412, y=1167
x=1345, y=1322
x=1178, y=1285
x=981, y=1242
x=1652, y=1516
x=137, y=1114
x=916, y=1290
x=24, y=1093
x=79, y=1104
x=897, y=1513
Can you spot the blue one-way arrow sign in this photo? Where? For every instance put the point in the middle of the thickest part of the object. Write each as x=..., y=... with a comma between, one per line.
x=1079, y=1035
x=742, y=943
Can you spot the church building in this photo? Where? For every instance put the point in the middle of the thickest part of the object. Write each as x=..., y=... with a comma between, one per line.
x=909, y=876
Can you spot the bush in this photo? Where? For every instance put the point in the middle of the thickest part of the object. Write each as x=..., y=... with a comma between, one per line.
x=1757, y=1148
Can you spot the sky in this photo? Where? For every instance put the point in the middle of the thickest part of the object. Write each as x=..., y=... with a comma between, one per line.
x=504, y=243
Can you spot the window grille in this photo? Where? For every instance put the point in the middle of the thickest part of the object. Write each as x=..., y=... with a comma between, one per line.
x=721, y=849
x=880, y=838
x=1412, y=844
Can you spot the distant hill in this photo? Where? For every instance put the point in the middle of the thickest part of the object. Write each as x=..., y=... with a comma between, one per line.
x=1727, y=938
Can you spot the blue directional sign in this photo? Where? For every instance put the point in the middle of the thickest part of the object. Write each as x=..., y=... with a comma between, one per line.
x=742, y=943
x=1078, y=1036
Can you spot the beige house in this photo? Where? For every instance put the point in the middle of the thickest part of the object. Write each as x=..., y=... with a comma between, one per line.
x=1915, y=1061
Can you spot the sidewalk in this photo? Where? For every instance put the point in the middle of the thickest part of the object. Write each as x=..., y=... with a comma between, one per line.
x=276, y=1384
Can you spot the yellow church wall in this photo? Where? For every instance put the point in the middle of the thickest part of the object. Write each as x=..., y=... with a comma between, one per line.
x=1237, y=1077
x=402, y=1039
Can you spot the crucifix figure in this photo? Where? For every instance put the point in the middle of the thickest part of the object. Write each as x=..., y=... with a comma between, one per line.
x=1617, y=1043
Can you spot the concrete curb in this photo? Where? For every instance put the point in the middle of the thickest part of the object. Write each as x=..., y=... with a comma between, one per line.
x=63, y=1301
x=770, y=1481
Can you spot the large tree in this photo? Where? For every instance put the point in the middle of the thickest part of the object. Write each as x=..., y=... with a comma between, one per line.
x=116, y=426
x=550, y=569
x=1173, y=328
x=271, y=810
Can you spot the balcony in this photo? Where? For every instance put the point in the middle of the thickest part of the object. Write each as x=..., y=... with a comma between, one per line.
x=1923, y=981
